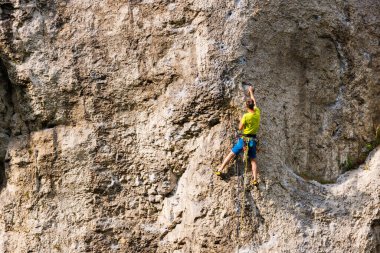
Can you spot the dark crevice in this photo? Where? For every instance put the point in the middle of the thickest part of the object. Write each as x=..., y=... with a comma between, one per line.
x=13, y=108
x=6, y=113
x=6, y=11
x=18, y=101
x=375, y=234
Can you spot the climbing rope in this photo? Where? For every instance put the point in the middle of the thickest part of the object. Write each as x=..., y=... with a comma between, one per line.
x=246, y=149
x=238, y=205
x=233, y=138
x=241, y=182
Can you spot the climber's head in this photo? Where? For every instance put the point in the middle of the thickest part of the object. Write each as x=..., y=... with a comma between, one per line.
x=249, y=103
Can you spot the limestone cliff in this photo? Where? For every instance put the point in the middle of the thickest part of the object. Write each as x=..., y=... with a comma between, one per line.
x=114, y=113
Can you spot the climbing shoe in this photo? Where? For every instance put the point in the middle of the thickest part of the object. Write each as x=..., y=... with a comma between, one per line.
x=254, y=182
x=218, y=173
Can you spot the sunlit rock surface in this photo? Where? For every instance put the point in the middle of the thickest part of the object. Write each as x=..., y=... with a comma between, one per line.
x=114, y=114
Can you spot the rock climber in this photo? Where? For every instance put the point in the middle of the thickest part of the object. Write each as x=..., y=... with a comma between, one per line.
x=249, y=125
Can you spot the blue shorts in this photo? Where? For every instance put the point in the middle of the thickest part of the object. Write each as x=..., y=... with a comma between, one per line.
x=240, y=145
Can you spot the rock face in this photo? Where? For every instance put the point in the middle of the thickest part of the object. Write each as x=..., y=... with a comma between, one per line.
x=114, y=113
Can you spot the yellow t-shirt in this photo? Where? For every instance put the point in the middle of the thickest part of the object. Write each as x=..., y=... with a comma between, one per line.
x=251, y=122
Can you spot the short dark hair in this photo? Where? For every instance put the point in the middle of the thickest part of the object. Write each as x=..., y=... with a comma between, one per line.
x=249, y=103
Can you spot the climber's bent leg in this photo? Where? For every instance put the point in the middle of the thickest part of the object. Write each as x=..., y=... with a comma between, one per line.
x=226, y=161
x=234, y=151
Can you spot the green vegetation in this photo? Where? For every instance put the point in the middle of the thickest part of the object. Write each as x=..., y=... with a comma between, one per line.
x=373, y=144
x=353, y=162
x=349, y=164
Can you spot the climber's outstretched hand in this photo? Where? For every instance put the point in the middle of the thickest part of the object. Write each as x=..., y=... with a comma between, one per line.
x=251, y=91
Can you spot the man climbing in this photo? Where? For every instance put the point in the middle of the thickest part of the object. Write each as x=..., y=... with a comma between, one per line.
x=249, y=125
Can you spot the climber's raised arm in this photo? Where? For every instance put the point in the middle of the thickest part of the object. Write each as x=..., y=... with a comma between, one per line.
x=251, y=91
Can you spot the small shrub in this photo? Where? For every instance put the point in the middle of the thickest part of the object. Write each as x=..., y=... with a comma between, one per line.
x=369, y=147
x=347, y=165
x=353, y=162
x=374, y=143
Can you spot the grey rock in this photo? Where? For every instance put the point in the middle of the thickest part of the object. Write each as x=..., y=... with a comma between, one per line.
x=114, y=114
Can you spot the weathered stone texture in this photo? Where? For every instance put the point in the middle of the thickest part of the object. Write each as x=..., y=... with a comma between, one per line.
x=114, y=113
